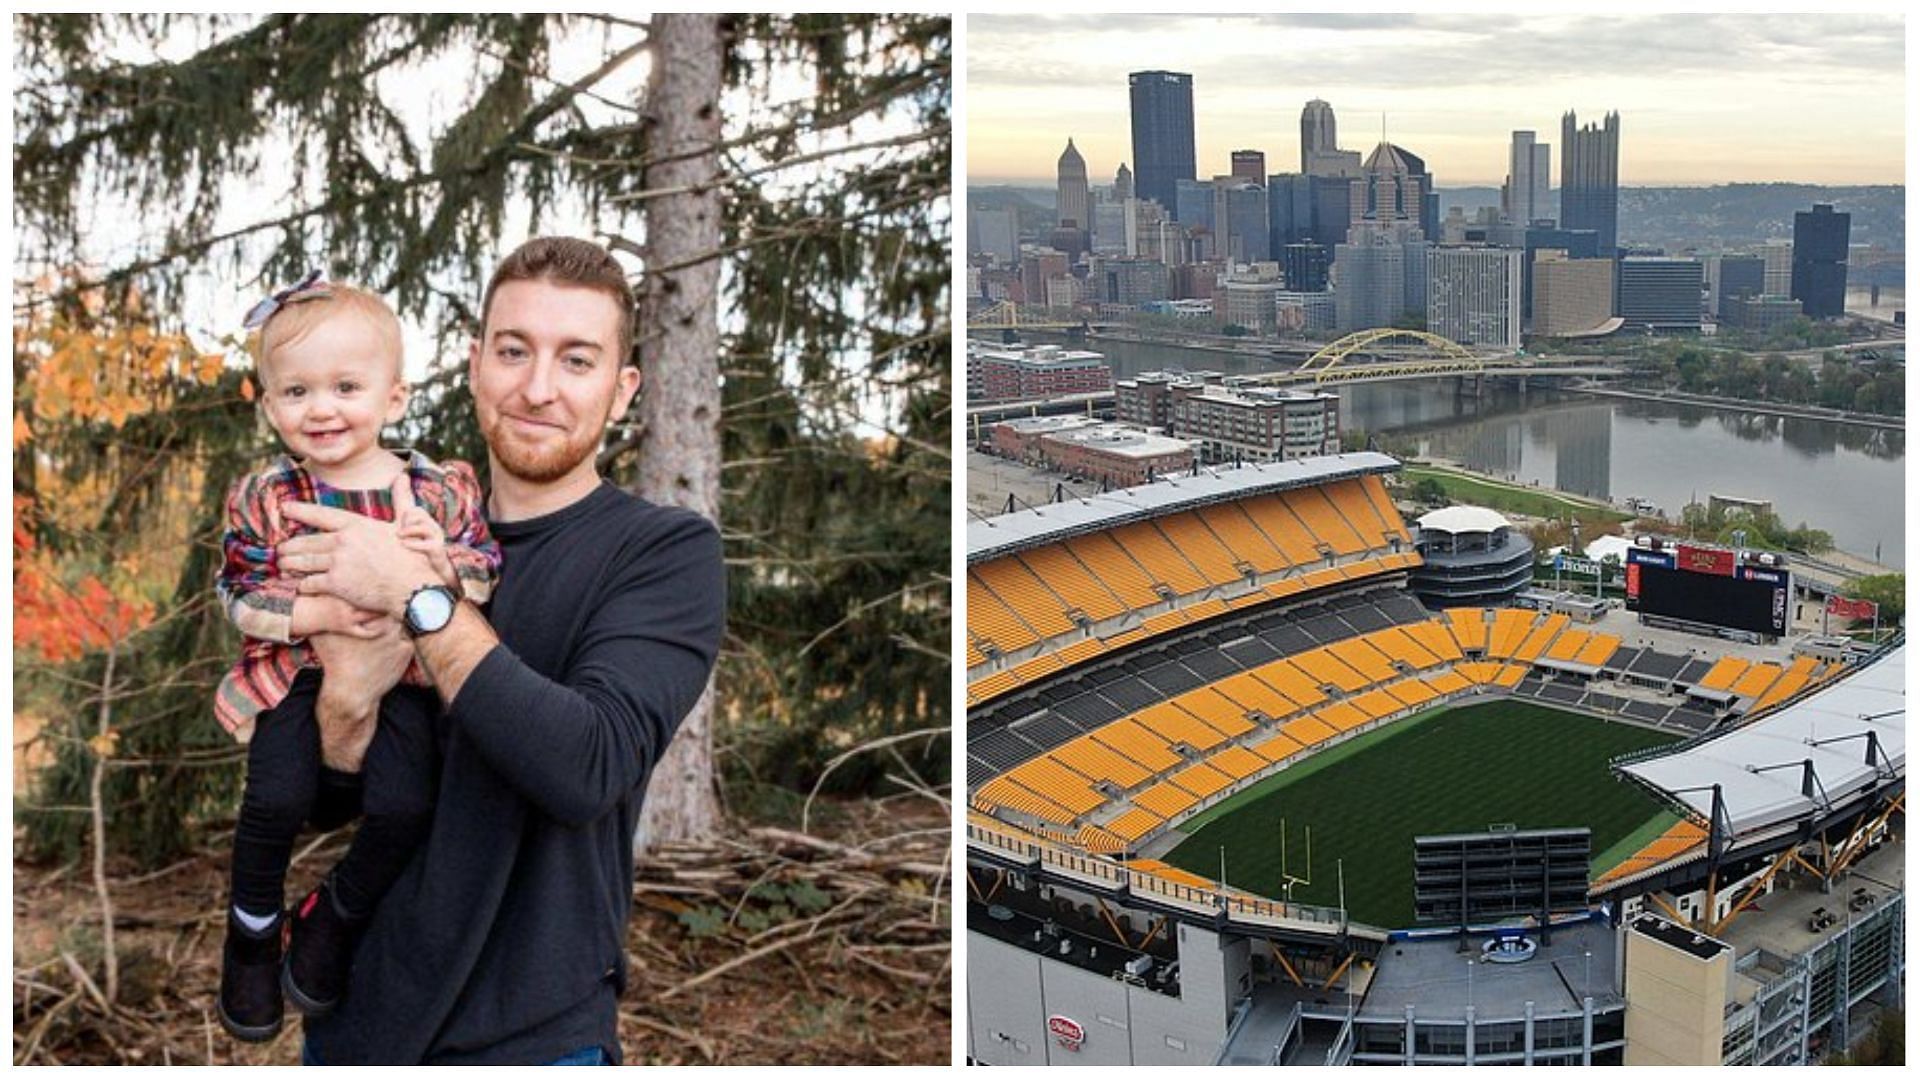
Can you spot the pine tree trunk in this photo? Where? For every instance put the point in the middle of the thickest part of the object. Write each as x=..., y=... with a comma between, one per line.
x=679, y=338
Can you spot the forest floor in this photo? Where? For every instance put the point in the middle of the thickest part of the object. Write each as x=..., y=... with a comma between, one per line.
x=772, y=946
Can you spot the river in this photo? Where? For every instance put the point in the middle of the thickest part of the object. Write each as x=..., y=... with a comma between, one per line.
x=1849, y=481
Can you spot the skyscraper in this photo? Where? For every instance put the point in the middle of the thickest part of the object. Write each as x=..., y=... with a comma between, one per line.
x=1072, y=201
x=1250, y=165
x=1320, y=153
x=1524, y=199
x=1162, y=108
x=1590, y=179
x=1820, y=261
x=1317, y=132
x=1395, y=186
x=1240, y=220
x=1122, y=183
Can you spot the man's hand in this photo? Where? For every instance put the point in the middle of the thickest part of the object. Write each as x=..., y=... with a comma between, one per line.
x=357, y=559
x=321, y=614
x=358, y=673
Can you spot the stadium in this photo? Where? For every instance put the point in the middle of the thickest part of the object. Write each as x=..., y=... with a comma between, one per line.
x=1238, y=797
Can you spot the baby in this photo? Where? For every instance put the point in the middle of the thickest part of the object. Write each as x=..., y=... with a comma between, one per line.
x=330, y=379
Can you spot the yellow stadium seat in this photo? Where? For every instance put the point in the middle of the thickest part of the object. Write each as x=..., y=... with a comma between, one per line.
x=1096, y=761
x=1723, y=673
x=1284, y=528
x=1325, y=669
x=1323, y=520
x=1199, y=545
x=1056, y=567
x=1242, y=538
x=1115, y=569
x=1150, y=549
x=1129, y=738
x=1166, y=799
x=1178, y=726
x=1201, y=779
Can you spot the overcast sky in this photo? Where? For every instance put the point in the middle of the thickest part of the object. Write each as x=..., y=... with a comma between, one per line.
x=1703, y=99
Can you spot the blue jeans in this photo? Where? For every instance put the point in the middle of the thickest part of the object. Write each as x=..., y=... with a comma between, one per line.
x=586, y=1056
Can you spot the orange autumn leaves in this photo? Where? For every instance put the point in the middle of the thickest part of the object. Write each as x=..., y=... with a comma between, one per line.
x=62, y=617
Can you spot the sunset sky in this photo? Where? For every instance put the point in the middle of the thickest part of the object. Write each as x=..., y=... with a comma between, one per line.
x=1703, y=99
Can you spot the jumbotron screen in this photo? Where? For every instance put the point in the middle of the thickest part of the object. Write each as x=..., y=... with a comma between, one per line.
x=1752, y=599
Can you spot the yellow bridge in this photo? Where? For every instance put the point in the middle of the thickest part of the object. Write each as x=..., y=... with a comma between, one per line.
x=1440, y=357
x=1006, y=315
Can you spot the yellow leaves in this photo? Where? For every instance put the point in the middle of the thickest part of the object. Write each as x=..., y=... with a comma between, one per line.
x=22, y=430
x=207, y=368
x=105, y=743
x=246, y=388
x=110, y=375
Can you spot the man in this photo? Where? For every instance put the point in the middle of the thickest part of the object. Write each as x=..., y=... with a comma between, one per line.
x=504, y=940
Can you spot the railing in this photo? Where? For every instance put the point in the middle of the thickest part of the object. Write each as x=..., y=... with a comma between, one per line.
x=1066, y=862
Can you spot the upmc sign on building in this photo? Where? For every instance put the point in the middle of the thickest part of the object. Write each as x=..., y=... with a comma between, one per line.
x=1066, y=1032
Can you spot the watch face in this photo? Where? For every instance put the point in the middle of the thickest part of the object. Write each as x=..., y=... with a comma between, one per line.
x=429, y=610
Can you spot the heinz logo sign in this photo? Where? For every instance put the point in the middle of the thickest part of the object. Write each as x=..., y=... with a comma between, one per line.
x=1066, y=1032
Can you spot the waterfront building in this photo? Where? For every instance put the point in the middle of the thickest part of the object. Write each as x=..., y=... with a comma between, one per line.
x=1295, y=312
x=1758, y=313
x=1590, y=178
x=995, y=234
x=1023, y=373
x=1577, y=243
x=1524, y=198
x=1162, y=116
x=1246, y=296
x=1240, y=220
x=1735, y=276
x=1304, y=266
x=1196, y=280
x=1113, y=455
x=1660, y=296
x=1037, y=265
x=1570, y=296
x=1820, y=261
x=1146, y=400
x=1232, y=420
x=1073, y=202
x=1128, y=281
x=1473, y=295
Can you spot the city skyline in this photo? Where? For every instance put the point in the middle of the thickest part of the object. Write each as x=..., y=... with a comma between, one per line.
x=1721, y=98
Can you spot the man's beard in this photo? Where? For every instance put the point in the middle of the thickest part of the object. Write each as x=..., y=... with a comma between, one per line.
x=542, y=463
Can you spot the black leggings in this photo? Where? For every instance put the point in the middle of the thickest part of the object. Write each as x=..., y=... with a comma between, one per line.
x=287, y=787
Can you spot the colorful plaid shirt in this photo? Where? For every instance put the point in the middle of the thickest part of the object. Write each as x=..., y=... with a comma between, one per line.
x=259, y=598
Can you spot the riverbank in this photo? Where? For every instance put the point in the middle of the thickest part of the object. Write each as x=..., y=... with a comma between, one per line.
x=1463, y=485
x=1772, y=409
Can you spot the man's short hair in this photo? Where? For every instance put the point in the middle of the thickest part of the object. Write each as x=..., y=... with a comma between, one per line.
x=297, y=317
x=564, y=260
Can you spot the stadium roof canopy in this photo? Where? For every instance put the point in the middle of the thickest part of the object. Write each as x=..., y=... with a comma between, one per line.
x=1761, y=767
x=988, y=538
x=1464, y=520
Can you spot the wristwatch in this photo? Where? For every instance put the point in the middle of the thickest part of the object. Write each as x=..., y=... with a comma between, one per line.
x=428, y=609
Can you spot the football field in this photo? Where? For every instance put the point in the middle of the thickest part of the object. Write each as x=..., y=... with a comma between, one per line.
x=1360, y=805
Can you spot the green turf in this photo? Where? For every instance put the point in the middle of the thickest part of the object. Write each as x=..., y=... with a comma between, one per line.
x=1457, y=770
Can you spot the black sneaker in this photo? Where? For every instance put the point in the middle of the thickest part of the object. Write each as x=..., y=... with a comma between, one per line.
x=320, y=953
x=250, y=1007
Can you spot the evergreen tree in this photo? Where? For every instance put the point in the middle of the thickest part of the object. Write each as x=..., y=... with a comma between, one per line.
x=831, y=270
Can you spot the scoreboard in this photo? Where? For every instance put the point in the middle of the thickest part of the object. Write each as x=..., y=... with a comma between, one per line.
x=1709, y=586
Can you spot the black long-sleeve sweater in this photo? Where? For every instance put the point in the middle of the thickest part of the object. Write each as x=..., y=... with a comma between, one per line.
x=503, y=942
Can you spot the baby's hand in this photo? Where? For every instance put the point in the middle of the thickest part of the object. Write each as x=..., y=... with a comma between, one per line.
x=421, y=533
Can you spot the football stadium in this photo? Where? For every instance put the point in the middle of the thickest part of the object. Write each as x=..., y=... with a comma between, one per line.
x=1238, y=796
